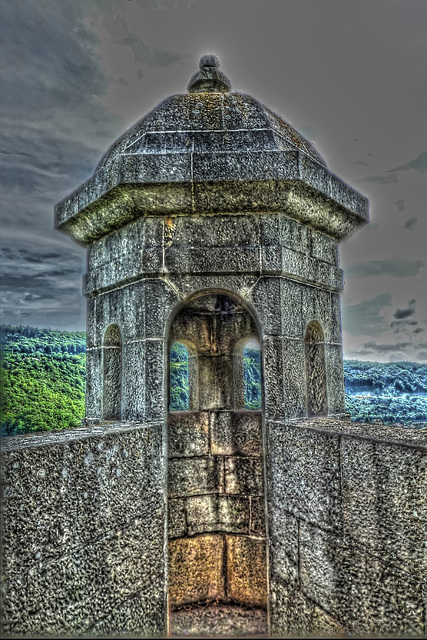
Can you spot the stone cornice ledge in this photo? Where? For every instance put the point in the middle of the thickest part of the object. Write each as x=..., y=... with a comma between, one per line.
x=203, y=183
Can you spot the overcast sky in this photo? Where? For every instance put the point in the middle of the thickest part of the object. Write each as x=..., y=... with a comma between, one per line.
x=349, y=75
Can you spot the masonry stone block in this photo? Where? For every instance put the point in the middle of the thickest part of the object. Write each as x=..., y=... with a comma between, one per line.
x=324, y=247
x=293, y=614
x=243, y=476
x=196, y=569
x=94, y=373
x=154, y=408
x=134, y=381
x=291, y=308
x=266, y=299
x=258, y=516
x=159, y=299
x=194, y=476
x=294, y=385
x=246, y=571
x=188, y=434
x=228, y=514
x=304, y=474
x=215, y=375
x=367, y=595
x=384, y=501
x=216, y=231
x=273, y=367
x=236, y=433
x=284, y=544
x=335, y=378
x=177, y=525
x=216, y=259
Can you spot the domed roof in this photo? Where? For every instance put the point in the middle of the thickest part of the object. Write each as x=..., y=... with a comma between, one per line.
x=209, y=119
x=210, y=151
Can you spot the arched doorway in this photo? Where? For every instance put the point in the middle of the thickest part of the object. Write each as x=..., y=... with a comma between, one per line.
x=216, y=501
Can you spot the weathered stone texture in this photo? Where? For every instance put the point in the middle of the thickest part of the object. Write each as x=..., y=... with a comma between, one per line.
x=304, y=474
x=196, y=569
x=295, y=615
x=82, y=527
x=384, y=501
x=365, y=593
x=188, y=434
x=246, y=574
x=236, y=433
x=213, y=222
x=347, y=528
x=194, y=476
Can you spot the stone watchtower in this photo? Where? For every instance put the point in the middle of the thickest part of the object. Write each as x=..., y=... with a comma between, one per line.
x=212, y=222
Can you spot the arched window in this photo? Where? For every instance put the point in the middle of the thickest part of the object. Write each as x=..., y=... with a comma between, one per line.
x=179, y=380
x=112, y=368
x=252, y=375
x=315, y=368
x=247, y=374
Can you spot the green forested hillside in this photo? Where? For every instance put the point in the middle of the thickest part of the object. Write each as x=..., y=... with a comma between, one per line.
x=43, y=381
x=391, y=392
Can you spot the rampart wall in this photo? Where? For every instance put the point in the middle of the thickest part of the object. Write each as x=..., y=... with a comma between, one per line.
x=85, y=539
x=83, y=532
x=348, y=529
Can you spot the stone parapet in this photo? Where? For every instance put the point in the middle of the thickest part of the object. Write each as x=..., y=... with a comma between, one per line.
x=83, y=516
x=347, y=525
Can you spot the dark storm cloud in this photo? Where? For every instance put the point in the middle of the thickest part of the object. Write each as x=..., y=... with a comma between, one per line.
x=166, y=4
x=392, y=267
x=60, y=70
x=386, y=347
x=407, y=327
x=364, y=318
x=418, y=164
x=121, y=34
x=381, y=179
x=400, y=204
x=400, y=314
x=422, y=355
x=42, y=285
x=403, y=323
x=410, y=223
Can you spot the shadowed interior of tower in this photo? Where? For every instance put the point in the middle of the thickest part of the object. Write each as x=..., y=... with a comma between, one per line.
x=216, y=504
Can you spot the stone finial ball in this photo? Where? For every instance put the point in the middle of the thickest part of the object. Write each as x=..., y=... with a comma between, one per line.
x=208, y=61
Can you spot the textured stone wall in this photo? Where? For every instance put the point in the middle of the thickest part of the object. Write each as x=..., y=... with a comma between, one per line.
x=217, y=528
x=216, y=506
x=83, y=533
x=347, y=507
